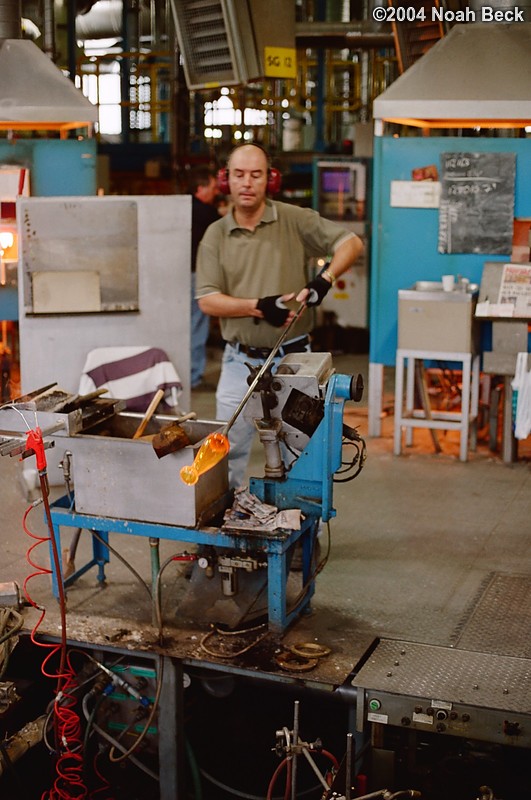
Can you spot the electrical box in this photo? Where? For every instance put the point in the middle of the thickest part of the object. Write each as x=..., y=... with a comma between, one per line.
x=342, y=188
x=340, y=193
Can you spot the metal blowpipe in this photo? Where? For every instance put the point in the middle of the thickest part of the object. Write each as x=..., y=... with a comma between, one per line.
x=216, y=445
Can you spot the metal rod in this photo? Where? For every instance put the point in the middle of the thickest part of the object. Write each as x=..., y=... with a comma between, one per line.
x=294, y=744
x=315, y=768
x=348, y=767
x=155, y=584
x=262, y=369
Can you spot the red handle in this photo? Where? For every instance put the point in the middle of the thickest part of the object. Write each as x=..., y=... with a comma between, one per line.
x=34, y=441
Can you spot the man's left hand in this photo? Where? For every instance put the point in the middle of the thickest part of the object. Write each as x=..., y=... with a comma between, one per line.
x=315, y=291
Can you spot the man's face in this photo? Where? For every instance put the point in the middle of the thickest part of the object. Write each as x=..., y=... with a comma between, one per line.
x=248, y=177
x=208, y=193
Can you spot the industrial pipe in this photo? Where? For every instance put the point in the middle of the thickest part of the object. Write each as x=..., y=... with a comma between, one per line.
x=10, y=19
x=352, y=35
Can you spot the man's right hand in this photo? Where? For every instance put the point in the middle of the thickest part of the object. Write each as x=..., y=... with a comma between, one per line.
x=274, y=310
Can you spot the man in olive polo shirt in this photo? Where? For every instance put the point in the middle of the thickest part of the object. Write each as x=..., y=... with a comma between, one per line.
x=250, y=263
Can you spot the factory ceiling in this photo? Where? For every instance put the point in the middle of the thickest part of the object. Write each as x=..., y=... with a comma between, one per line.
x=477, y=74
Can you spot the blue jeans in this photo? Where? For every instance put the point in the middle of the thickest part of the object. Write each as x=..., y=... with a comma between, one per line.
x=200, y=328
x=232, y=386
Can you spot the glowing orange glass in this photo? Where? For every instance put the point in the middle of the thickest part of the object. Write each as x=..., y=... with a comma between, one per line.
x=209, y=454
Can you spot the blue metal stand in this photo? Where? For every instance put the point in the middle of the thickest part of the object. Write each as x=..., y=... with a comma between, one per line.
x=310, y=481
x=274, y=545
x=308, y=486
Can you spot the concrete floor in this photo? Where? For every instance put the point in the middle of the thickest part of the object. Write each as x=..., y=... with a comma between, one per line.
x=416, y=536
x=420, y=542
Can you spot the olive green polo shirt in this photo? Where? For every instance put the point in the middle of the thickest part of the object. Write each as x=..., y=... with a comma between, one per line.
x=272, y=259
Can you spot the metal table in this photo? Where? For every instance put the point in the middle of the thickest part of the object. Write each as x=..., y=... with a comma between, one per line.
x=274, y=544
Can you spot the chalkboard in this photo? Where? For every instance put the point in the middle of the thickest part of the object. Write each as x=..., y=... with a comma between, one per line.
x=476, y=208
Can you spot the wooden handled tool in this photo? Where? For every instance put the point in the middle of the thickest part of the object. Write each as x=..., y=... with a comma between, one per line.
x=172, y=437
x=149, y=413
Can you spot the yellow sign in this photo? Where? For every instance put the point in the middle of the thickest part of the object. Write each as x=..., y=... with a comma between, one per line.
x=280, y=62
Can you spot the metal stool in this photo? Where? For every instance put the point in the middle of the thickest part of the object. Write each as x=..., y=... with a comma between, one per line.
x=463, y=420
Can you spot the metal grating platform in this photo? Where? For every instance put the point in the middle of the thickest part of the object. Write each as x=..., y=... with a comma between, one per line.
x=501, y=621
x=479, y=679
x=438, y=689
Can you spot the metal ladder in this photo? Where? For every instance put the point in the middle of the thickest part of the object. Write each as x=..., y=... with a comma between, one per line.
x=414, y=38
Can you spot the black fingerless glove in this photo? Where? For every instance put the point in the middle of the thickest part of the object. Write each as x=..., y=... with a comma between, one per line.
x=318, y=289
x=273, y=309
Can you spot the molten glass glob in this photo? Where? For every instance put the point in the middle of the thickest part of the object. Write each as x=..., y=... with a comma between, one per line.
x=209, y=454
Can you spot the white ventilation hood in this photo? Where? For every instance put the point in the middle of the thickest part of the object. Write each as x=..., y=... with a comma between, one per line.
x=477, y=74
x=34, y=90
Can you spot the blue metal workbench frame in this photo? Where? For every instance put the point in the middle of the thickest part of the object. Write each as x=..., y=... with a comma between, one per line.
x=274, y=544
x=308, y=486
